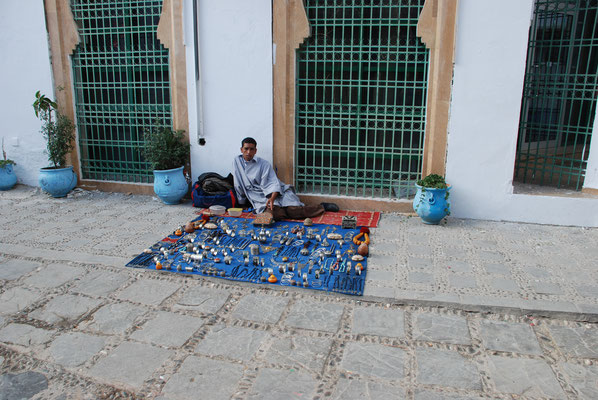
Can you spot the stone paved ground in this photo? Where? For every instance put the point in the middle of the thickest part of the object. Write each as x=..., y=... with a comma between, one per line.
x=468, y=310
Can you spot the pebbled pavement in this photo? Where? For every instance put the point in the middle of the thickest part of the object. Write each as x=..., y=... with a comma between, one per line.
x=464, y=310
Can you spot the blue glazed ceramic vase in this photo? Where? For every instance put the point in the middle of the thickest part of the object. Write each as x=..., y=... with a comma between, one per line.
x=431, y=204
x=170, y=185
x=57, y=181
x=7, y=177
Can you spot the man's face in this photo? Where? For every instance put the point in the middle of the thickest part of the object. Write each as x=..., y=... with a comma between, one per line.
x=248, y=150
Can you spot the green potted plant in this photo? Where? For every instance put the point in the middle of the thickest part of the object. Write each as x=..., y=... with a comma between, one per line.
x=167, y=151
x=431, y=201
x=59, y=132
x=7, y=175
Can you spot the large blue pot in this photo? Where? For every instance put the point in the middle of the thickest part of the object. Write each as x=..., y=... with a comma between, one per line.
x=170, y=185
x=57, y=181
x=7, y=177
x=432, y=205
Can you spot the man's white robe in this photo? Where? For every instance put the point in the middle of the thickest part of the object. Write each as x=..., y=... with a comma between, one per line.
x=256, y=179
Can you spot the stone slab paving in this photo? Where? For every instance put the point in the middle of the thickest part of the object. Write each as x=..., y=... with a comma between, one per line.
x=76, y=324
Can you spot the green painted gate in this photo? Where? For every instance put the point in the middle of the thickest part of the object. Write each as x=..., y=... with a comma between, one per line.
x=121, y=84
x=360, y=99
x=559, y=95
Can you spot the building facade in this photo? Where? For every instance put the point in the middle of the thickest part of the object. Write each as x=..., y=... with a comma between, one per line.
x=352, y=101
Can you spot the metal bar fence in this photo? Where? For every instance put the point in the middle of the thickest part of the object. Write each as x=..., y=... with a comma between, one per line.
x=121, y=85
x=559, y=94
x=361, y=99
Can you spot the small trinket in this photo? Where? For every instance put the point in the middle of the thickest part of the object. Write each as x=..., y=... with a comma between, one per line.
x=363, y=249
x=222, y=274
x=349, y=222
x=179, y=267
x=293, y=282
x=334, y=236
x=272, y=279
x=148, y=251
x=285, y=259
x=357, y=257
x=189, y=227
x=158, y=265
x=228, y=260
x=263, y=279
x=255, y=249
x=308, y=222
x=217, y=260
x=178, y=232
x=358, y=269
x=256, y=260
x=189, y=269
x=210, y=225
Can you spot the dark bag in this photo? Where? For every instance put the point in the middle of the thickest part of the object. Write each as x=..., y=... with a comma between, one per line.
x=213, y=189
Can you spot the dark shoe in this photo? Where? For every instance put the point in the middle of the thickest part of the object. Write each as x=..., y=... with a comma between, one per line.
x=330, y=207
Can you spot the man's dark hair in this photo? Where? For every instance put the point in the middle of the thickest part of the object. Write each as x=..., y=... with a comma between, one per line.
x=249, y=140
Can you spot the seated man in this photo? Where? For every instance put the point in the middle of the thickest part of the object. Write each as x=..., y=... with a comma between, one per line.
x=256, y=182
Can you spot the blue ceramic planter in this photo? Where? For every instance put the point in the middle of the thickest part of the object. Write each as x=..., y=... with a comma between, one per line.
x=57, y=181
x=432, y=205
x=170, y=185
x=7, y=177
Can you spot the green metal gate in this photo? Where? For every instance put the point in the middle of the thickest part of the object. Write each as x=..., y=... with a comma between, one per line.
x=559, y=95
x=121, y=81
x=360, y=99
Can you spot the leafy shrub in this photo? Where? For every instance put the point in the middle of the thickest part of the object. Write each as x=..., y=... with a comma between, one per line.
x=57, y=129
x=433, y=181
x=165, y=148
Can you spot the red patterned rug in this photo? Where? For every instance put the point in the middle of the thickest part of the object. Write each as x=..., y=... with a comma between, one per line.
x=364, y=218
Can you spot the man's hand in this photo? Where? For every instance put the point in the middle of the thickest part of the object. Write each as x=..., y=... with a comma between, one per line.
x=270, y=202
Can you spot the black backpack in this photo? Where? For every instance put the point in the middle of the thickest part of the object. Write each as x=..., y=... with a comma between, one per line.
x=214, y=189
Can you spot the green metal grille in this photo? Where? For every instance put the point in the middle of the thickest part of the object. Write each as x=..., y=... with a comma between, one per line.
x=121, y=80
x=559, y=95
x=360, y=99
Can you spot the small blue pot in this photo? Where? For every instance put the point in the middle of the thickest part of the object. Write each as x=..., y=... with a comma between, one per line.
x=170, y=185
x=432, y=205
x=7, y=177
x=57, y=181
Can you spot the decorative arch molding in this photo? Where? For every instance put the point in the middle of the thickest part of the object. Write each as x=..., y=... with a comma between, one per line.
x=436, y=27
x=63, y=39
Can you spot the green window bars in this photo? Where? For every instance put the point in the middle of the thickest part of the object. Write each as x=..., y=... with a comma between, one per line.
x=121, y=82
x=360, y=99
x=559, y=94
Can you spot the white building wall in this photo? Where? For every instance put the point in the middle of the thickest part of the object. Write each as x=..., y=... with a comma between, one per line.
x=487, y=87
x=25, y=68
x=235, y=40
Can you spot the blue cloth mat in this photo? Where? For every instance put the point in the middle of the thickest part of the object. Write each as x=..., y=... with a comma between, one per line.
x=296, y=255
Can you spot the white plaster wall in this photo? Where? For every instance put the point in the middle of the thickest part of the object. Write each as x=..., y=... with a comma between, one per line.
x=488, y=79
x=236, y=81
x=25, y=68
